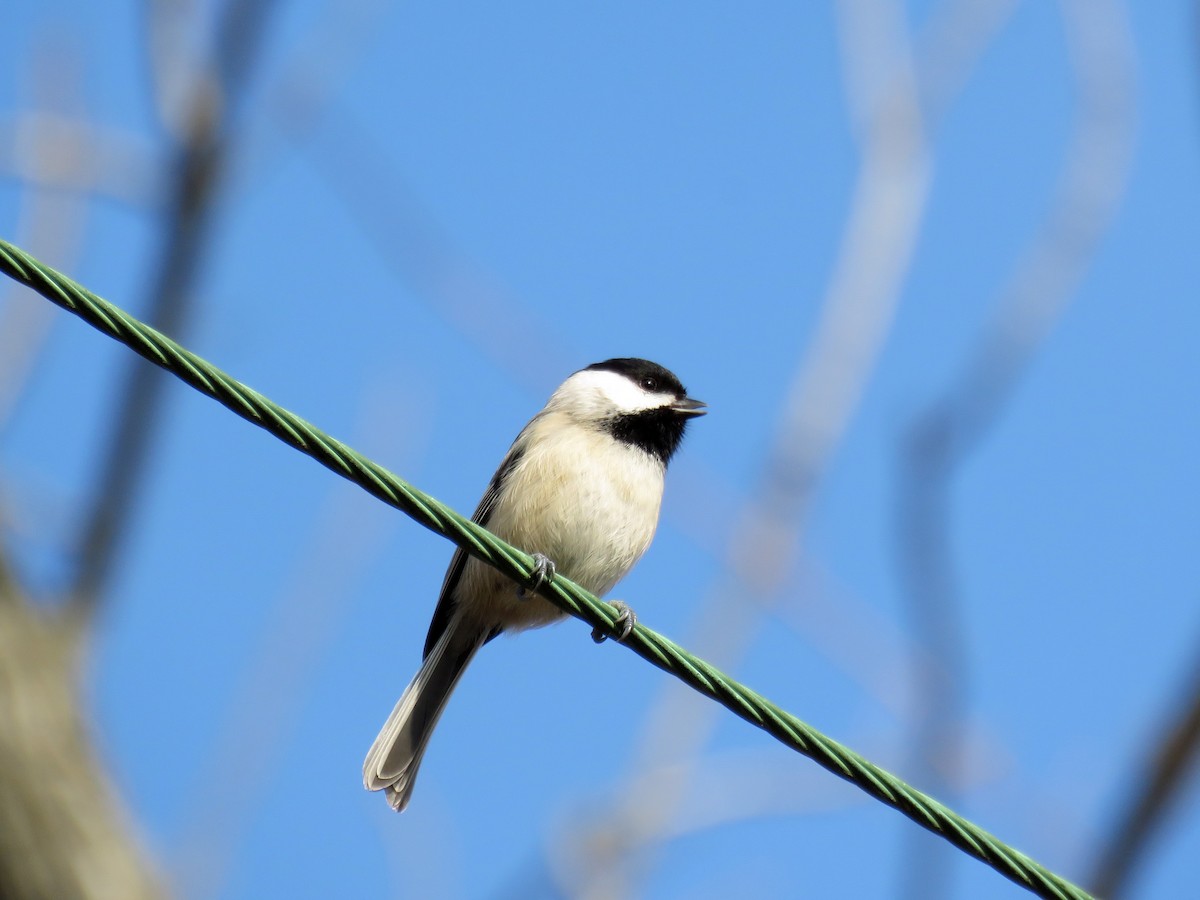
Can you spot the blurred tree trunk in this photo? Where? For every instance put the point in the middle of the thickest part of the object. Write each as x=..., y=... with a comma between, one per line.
x=63, y=834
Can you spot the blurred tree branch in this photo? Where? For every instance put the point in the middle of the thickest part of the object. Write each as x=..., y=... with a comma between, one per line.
x=891, y=87
x=62, y=828
x=1155, y=791
x=1093, y=177
x=52, y=219
x=208, y=125
x=62, y=833
x=348, y=534
x=88, y=158
x=1167, y=766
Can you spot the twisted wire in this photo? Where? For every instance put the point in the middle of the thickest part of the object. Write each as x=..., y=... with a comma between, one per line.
x=648, y=644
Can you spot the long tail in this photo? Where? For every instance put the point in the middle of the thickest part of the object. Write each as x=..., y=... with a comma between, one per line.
x=393, y=759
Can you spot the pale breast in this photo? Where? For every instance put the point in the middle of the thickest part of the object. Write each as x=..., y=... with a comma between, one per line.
x=587, y=502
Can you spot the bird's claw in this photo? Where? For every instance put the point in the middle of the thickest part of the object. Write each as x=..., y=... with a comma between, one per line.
x=543, y=573
x=622, y=625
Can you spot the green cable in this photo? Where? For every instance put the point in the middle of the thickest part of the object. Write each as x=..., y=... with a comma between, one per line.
x=567, y=595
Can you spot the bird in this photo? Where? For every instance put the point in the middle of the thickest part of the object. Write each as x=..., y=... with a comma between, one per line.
x=580, y=490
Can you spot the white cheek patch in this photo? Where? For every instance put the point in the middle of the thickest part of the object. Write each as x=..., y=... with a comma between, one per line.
x=612, y=391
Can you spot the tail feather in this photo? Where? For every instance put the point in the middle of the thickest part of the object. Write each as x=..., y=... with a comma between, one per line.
x=393, y=759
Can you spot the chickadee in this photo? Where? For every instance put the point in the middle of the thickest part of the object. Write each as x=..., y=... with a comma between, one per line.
x=580, y=488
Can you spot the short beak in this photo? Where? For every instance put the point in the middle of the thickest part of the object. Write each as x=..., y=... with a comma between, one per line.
x=689, y=407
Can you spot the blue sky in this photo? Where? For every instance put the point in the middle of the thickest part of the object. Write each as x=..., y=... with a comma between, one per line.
x=490, y=196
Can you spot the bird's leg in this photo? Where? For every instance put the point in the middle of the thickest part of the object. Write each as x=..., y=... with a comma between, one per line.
x=622, y=625
x=543, y=573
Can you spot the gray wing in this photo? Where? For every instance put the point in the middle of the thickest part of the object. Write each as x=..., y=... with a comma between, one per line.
x=446, y=600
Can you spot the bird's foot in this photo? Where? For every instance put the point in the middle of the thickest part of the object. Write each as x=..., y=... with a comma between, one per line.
x=543, y=573
x=622, y=626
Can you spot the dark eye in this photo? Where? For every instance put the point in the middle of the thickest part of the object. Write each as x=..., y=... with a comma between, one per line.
x=650, y=383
